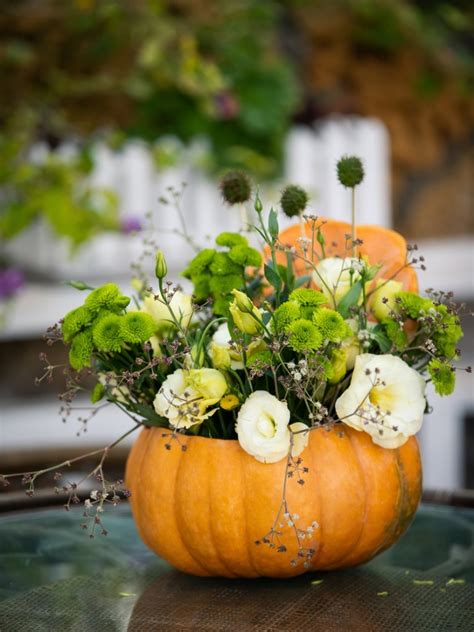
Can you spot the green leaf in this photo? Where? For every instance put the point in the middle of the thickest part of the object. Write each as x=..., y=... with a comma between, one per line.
x=79, y=285
x=272, y=277
x=349, y=299
x=381, y=338
x=302, y=280
x=149, y=414
x=290, y=277
x=273, y=227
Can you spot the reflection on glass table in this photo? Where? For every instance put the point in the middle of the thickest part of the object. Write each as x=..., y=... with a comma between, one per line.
x=53, y=577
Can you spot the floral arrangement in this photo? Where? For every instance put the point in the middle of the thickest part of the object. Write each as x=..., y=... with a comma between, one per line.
x=273, y=341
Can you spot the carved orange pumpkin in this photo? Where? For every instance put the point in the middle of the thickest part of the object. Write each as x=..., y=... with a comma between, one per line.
x=203, y=509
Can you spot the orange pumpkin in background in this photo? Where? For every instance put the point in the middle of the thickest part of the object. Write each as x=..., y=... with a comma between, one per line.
x=380, y=245
x=203, y=509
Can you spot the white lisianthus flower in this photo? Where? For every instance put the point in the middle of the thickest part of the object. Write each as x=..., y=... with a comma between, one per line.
x=263, y=430
x=333, y=276
x=181, y=305
x=385, y=399
x=186, y=396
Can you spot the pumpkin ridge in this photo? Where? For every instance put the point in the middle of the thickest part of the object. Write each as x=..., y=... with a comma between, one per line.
x=392, y=531
x=177, y=519
x=245, y=504
x=210, y=495
x=246, y=513
x=319, y=545
x=138, y=506
x=352, y=439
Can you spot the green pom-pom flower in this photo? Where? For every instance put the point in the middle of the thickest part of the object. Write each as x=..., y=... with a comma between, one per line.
x=97, y=393
x=260, y=360
x=414, y=305
x=307, y=297
x=285, y=314
x=81, y=351
x=331, y=324
x=200, y=263
x=443, y=376
x=75, y=321
x=235, y=187
x=222, y=265
x=107, y=297
x=293, y=200
x=137, y=327
x=395, y=333
x=201, y=287
x=246, y=256
x=221, y=305
x=304, y=336
x=448, y=332
x=309, y=300
x=231, y=239
x=350, y=171
x=225, y=284
x=107, y=333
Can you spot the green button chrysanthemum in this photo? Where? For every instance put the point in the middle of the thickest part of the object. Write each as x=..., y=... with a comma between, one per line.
x=414, y=305
x=246, y=256
x=107, y=296
x=200, y=264
x=309, y=300
x=443, y=376
x=107, y=333
x=81, y=351
x=304, y=336
x=137, y=327
x=225, y=284
x=222, y=264
x=285, y=314
x=231, y=239
x=75, y=321
x=331, y=324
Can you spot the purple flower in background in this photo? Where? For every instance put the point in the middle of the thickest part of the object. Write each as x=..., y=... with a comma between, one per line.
x=227, y=106
x=11, y=280
x=130, y=225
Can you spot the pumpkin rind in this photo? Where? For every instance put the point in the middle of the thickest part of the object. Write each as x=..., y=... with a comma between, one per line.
x=203, y=509
x=381, y=245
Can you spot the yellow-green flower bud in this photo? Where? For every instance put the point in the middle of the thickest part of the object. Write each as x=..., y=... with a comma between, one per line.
x=382, y=299
x=161, y=269
x=338, y=366
x=245, y=315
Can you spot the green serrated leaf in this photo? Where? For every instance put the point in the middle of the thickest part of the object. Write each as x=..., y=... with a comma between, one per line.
x=272, y=277
x=349, y=299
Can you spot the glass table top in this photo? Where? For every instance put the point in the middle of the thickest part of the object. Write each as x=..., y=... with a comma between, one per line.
x=54, y=577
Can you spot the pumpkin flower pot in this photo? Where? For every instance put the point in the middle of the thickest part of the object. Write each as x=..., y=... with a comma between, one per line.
x=278, y=404
x=213, y=510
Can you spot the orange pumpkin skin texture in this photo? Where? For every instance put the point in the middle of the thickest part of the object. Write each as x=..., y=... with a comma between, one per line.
x=203, y=509
x=380, y=245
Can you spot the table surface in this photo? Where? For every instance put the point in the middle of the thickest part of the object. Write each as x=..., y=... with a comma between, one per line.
x=54, y=577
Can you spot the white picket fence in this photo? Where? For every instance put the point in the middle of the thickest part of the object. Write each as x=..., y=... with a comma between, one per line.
x=311, y=157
